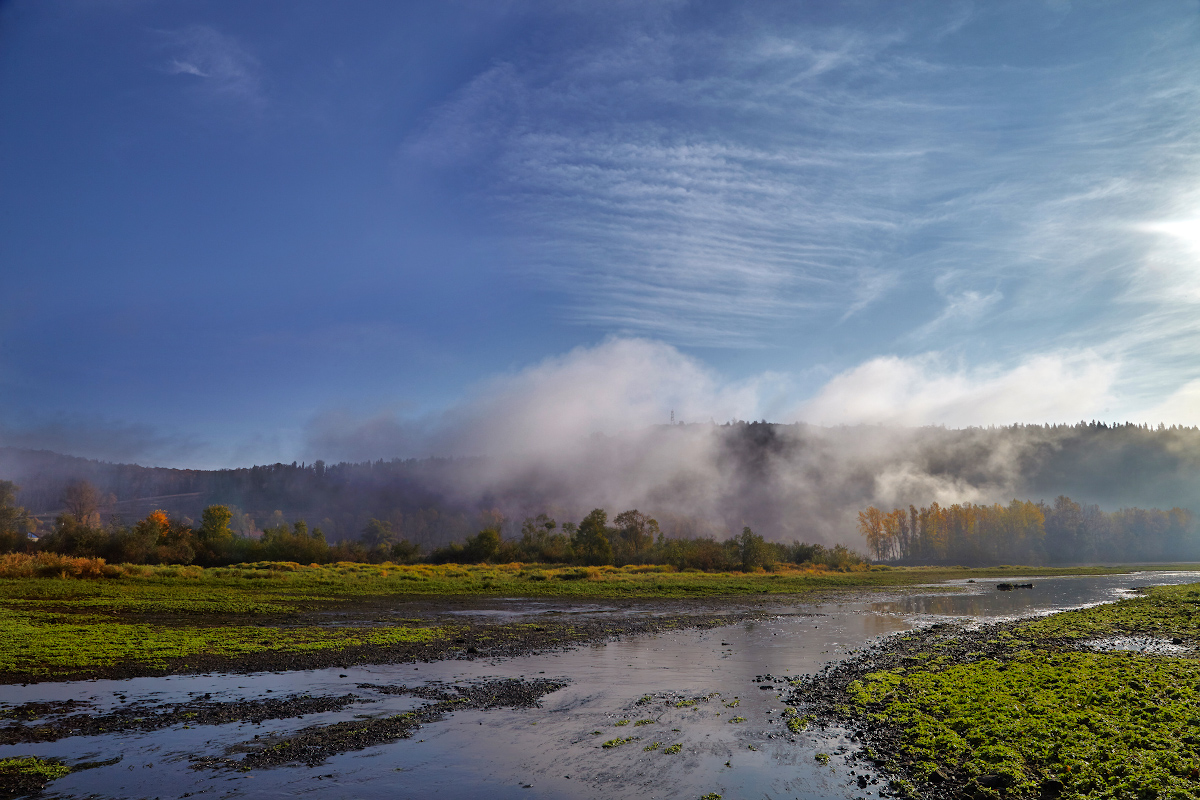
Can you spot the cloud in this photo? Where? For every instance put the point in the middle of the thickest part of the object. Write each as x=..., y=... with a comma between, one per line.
x=963, y=309
x=1181, y=407
x=626, y=385
x=660, y=189
x=617, y=386
x=224, y=67
x=925, y=390
x=735, y=180
x=586, y=429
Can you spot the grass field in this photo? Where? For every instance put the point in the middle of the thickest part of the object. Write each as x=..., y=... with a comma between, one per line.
x=283, y=587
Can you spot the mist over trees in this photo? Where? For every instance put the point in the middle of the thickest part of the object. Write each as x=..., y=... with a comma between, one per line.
x=1024, y=532
x=787, y=482
x=1021, y=532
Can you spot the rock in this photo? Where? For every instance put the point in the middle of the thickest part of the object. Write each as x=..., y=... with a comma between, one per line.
x=992, y=781
x=938, y=776
x=1052, y=787
x=862, y=781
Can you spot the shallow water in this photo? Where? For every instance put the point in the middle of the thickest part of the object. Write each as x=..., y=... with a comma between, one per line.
x=551, y=751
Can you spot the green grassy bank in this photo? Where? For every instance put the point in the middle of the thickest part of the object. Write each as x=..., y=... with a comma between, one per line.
x=1029, y=710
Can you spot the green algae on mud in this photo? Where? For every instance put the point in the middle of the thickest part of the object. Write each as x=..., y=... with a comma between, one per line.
x=1172, y=611
x=28, y=774
x=191, y=620
x=95, y=652
x=40, y=645
x=1028, y=709
x=1084, y=724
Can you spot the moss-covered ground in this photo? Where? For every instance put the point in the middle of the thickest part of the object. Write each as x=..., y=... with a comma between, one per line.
x=41, y=644
x=27, y=775
x=147, y=620
x=1030, y=709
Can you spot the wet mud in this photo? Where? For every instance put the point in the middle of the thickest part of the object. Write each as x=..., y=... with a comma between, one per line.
x=313, y=745
x=473, y=637
x=47, y=722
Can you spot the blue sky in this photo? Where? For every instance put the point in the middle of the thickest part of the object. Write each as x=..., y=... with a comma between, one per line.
x=249, y=232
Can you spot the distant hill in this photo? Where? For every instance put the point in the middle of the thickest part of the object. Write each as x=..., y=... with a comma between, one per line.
x=786, y=481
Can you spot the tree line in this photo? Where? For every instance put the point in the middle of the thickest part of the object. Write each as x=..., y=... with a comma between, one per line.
x=632, y=538
x=1024, y=532
x=756, y=468
x=635, y=538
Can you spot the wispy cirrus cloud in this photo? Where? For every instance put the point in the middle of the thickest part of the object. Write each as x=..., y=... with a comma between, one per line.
x=717, y=183
x=661, y=187
x=222, y=66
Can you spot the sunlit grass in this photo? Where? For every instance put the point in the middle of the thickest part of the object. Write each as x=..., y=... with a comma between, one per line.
x=1037, y=721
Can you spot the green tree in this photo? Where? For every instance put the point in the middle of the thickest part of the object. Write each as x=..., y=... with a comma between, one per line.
x=135, y=545
x=590, y=542
x=483, y=546
x=405, y=552
x=378, y=532
x=540, y=543
x=15, y=522
x=635, y=533
x=214, y=524
x=753, y=551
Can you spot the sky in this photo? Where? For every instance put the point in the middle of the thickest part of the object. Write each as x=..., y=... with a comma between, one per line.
x=236, y=233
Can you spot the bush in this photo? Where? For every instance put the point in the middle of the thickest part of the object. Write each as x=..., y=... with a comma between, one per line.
x=52, y=565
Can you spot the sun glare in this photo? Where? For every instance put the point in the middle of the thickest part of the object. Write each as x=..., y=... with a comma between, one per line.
x=1184, y=231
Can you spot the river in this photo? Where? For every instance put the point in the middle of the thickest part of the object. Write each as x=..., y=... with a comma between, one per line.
x=694, y=685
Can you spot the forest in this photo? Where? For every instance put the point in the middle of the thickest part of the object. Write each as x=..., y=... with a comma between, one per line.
x=798, y=482
x=968, y=534
x=1025, y=532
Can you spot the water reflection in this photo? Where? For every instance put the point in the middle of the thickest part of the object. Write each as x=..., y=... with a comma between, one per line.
x=984, y=602
x=551, y=751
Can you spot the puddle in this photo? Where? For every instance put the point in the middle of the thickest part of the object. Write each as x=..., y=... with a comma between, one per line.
x=732, y=740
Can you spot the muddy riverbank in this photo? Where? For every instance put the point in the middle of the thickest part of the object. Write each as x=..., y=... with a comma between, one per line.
x=596, y=699
x=1096, y=702
x=457, y=630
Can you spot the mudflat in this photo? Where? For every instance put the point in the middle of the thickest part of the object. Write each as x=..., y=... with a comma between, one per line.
x=141, y=620
x=1096, y=702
